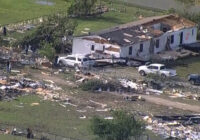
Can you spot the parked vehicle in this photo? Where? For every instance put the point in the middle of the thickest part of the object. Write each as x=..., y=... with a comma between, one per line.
x=75, y=61
x=159, y=69
x=194, y=79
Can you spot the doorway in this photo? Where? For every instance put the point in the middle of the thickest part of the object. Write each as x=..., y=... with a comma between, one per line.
x=181, y=38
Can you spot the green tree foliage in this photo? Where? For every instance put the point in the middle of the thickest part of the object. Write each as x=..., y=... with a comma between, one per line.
x=82, y=7
x=47, y=50
x=52, y=31
x=122, y=127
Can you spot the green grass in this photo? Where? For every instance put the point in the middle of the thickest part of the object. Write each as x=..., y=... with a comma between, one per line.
x=47, y=117
x=12, y=11
x=114, y=17
x=9, y=137
x=189, y=66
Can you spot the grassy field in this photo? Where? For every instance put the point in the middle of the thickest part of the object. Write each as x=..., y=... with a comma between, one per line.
x=47, y=117
x=12, y=11
x=188, y=66
x=9, y=137
x=114, y=17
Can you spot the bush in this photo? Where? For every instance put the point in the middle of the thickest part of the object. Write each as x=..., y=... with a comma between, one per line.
x=93, y=85
x=122, y=127
x=47, y=50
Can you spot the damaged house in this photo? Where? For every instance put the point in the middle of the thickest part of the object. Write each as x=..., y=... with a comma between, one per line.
x=138, y=40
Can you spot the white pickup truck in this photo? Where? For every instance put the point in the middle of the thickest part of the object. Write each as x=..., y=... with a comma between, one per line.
x=159, y=69
x=75, y=61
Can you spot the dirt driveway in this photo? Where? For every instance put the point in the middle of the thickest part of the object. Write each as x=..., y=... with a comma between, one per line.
x=168, y=103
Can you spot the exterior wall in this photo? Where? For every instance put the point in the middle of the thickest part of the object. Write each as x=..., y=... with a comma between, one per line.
x=187, y=36
x=135, y=51
x=162, y=43
x=83, y=46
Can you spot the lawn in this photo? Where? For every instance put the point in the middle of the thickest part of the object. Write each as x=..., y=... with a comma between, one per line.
x=188, y=66
x=47, y=117
x=9, y=137
x=12, y=11
x=114, y=17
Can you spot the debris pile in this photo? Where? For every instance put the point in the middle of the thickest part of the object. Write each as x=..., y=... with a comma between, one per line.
x=134, y=98
x=156, y=88
x=173, y=55
x=12, y=88
x=182, y=127
x=185, y=95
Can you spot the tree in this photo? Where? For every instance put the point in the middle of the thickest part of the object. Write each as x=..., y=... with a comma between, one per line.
x=122, y=127
x=52, y=31
x=82, y=7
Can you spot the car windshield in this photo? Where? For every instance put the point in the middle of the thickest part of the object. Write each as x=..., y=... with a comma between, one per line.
x=71, y=58
x=162, y=67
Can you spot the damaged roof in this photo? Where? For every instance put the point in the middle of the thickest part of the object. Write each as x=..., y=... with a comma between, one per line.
x=142, y=30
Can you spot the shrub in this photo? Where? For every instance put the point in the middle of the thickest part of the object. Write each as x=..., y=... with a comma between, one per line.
x=122, y=127
x=47, y=50
x=92, y=85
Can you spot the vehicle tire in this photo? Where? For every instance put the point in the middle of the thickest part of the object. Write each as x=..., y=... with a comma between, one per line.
x=61, y=63
x=163, y=76
x=192, y=82
x=142, y=73
x=76, y=66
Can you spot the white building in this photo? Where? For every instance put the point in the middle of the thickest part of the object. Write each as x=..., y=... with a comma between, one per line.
x=138, y=39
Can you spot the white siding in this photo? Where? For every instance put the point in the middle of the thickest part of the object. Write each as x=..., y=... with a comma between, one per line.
x=187, y=36
x=162, y=43
x=83, y=46
x=135, y=50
